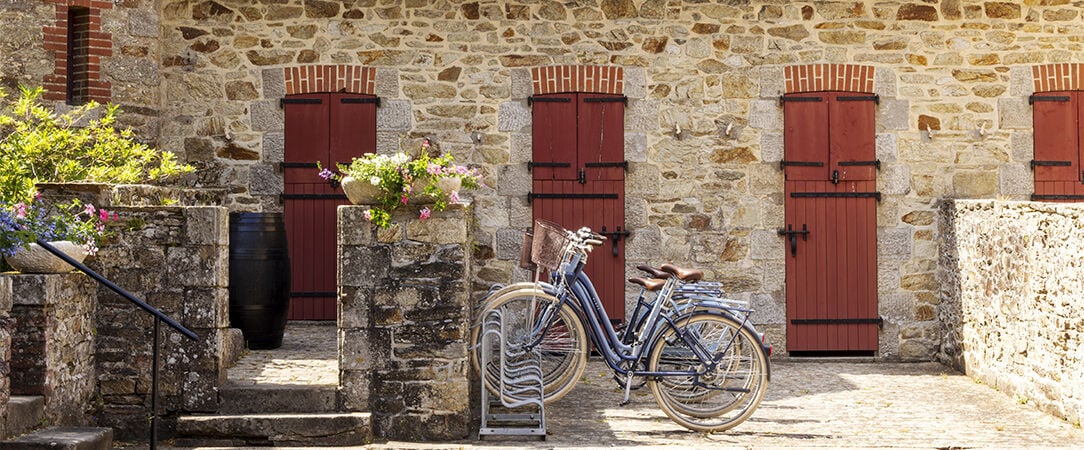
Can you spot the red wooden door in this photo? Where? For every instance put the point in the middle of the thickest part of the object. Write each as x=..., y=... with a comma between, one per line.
x=1058, y=153
x=329, y=128
x=578, y=172
x=830, y=231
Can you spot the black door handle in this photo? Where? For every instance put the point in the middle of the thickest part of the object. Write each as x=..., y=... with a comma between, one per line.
x=792, y=236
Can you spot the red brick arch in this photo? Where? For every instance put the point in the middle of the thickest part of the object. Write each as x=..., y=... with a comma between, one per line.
x=828, y=77
x=588, y=79
x=330, y=78
x=1058, y=77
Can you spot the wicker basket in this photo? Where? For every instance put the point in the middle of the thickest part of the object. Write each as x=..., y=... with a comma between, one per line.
x=548, y=244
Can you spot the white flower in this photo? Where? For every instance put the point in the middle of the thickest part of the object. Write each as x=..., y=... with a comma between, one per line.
x=401, y=158
x=375, y=181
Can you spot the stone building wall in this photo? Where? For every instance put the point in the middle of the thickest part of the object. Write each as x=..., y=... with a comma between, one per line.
x=176, y=259
x=52, y=343
x=6, y=324
x=404, y=322
x=1011, y=315
x=703, y=127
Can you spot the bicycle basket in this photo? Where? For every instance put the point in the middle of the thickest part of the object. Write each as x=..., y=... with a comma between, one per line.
x=525, y=251
x=548, y=245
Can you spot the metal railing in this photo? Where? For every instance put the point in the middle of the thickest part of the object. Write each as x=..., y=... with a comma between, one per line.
x=159, y=317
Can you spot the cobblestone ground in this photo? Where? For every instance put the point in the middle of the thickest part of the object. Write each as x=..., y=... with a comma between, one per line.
x=808, y=404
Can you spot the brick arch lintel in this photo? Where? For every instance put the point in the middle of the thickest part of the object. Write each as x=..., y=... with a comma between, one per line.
x=330, y=78
x=578, y=78
x=1058, y=77
x=828, y=77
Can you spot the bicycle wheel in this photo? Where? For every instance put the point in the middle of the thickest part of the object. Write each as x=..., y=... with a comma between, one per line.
x=708, y=400
x=563, y=345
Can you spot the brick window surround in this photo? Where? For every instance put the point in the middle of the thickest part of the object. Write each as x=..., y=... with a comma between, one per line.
x=1058, y=77
x=828, y=77
x=588, y=79
x=98, y=44
x=330, y=78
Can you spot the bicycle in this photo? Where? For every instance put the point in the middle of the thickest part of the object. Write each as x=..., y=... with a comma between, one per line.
x=707, y=369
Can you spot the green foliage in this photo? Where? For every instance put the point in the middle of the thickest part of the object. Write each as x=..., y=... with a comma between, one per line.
x=38, y=145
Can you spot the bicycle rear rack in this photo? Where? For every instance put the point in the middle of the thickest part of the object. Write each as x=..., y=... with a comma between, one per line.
x=521, y=384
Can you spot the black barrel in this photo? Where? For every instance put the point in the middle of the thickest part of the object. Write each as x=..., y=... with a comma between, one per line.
x=259, y=278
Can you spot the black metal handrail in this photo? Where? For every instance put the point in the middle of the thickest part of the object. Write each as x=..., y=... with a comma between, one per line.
x=159, y=317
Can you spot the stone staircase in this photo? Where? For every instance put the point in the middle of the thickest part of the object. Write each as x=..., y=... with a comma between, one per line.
x=286, y=397
x=25, y=412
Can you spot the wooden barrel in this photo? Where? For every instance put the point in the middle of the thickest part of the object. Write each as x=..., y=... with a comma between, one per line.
x=259, y=278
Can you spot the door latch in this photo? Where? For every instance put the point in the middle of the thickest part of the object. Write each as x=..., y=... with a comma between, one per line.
x=615, y=236
x=582, y=178
x=835, y=177
x=792, y=236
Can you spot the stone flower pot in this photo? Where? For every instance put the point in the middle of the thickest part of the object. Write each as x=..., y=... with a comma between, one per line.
x=360, y=192
x=38, y=260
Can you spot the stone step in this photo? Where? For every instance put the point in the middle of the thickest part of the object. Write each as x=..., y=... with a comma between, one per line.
x=24, y=414
x=63, y=438
x=277, y=398
x=280, y=430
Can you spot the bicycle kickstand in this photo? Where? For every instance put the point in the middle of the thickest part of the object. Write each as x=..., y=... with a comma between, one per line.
x=628, y=388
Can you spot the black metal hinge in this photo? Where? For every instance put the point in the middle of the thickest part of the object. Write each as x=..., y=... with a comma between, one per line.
x=361, y=100
x=531, y=164
x=297, y=165
x=314, y=294
x=531, y=196
x=784, y=163
x=299, y=101
x=1040, y=197
x=621, y=99
x=874, y=321
x=876, y=195
x=1047, y=98
x=784, y=98
x=312, y=196
x=876, y=163
x=532, y=99
x=1035, y=163
x=615, y=236
x=621, y=164
x=876, y=99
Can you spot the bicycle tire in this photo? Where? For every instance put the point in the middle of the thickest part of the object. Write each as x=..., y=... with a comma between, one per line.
x=716, y=401
x=564, y=349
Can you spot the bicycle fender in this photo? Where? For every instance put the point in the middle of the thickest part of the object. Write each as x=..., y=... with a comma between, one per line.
x=721, y=313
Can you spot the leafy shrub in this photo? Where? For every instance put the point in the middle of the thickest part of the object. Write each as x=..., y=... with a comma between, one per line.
x=38, y=145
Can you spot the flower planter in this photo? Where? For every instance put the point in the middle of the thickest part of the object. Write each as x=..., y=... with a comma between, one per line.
x=38, y=260
x=360, y=192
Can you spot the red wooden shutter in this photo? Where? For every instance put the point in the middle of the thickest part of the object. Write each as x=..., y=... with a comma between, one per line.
x=306, y=136
x=1057, y=131
x=353, y=126
x=852, y=139
x=554, y=137
x=805, y=136
x=601, y=136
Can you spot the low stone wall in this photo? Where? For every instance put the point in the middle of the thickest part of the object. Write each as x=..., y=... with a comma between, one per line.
x=404, y=322
x=5, y=351
x=1011, y=276
x=177, y=260
x=53, y=343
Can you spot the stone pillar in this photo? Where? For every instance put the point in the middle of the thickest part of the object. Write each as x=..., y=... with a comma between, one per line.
x=404, y=321
x=5, y=351
x=53, y=342
x=177, y=260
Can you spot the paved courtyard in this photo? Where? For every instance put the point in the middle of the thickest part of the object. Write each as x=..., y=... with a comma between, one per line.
x=827, y=404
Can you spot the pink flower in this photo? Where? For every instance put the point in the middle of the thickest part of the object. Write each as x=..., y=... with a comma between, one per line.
x=103, y=215
x=424, y=213
x=425, y=143
x=37, y=195
x=454, y=197
x=116, y=217
x=89, y=209
x=368, y=214
x=20, y=210
x=403, y=199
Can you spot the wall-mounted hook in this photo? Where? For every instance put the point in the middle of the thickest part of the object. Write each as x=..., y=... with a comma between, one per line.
x=677, y=129
x=729, y=127
x=929, y=131
x=982, y=128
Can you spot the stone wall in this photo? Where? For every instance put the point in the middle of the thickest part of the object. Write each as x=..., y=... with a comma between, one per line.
x=52, y=343
x=6, y=324
x=703, y=127
x=404, y=322
x=1011, y=314
x=176, y=259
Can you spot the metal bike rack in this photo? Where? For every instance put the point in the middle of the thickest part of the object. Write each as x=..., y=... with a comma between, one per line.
x=520, y=383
